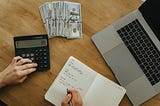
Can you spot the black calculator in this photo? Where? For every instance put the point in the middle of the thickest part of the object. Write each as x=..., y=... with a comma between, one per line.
x=34, y=47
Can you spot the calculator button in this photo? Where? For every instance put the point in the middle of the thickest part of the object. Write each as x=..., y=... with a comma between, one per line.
x=36, y=59
x=27, y=55
x=45, y=57
x=32, y=58
x=32, y=54
x=23, y=55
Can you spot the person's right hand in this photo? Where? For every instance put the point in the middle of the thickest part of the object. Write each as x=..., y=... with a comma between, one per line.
x=74, y=96
x=17, y=71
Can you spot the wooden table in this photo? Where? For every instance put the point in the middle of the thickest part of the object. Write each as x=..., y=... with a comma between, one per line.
x=22, y=17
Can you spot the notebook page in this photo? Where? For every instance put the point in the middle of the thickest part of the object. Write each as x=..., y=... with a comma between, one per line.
x=74, y=75
x=104, y=92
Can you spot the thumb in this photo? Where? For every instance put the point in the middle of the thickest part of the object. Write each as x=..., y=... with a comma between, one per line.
x=66, y=100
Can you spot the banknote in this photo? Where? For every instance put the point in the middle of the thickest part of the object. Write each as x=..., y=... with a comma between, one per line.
x=62, y=18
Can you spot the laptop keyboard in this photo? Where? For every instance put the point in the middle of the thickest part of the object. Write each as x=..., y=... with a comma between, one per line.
x=143, y=49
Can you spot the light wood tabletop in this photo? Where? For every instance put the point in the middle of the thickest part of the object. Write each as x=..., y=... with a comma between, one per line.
x=22, y=17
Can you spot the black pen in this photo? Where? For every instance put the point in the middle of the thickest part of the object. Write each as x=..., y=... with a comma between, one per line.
x=70, y=102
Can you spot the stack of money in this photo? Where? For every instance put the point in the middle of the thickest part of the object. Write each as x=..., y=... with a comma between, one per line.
x=62, y=18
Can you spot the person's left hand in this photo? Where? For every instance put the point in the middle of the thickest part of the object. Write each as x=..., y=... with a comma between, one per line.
x=17, y=71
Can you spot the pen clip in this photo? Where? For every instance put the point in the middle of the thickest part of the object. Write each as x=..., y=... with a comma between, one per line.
x=67, y=91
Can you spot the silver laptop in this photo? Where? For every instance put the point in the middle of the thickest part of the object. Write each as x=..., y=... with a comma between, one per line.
x=131, y=47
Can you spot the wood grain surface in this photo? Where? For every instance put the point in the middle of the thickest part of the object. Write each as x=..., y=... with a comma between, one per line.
x=22, y=17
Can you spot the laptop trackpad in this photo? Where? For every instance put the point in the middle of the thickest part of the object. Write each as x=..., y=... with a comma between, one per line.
x=123, y=64
x=140, y=90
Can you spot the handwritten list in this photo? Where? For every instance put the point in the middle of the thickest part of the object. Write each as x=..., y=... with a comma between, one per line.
x=90, y=84
x=75, y=76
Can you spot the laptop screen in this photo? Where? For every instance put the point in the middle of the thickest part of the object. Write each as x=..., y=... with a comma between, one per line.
x=149, y=10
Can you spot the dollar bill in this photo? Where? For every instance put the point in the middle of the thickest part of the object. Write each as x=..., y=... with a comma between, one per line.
x=62, y=18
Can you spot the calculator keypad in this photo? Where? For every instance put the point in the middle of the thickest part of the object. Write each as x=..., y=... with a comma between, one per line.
x=39, y=56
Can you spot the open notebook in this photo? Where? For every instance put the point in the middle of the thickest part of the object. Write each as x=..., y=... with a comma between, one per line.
x=95, y=89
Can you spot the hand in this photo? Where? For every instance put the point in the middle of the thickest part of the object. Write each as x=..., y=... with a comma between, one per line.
x=17, y=71
x=74, y=96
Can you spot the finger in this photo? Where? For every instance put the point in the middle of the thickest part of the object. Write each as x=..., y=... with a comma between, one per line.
x=66, y=100
x=28, y=66
x=27, y=71
x=15, y=59
x=70, y=90
x=79, y=97
x=74, y=96
x=22, y=79
x=23, y=61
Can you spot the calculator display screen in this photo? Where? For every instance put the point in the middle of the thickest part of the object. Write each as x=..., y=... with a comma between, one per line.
x=31, y=43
